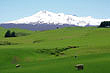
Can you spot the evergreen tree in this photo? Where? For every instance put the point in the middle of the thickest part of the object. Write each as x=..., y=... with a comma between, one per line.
x=8, y=34
x=105, y=24
x=13, y=34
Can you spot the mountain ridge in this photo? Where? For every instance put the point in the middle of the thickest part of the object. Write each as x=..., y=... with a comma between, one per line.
x=46, y=17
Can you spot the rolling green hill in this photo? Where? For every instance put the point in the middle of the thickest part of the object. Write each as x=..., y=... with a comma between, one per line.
x=53, y=51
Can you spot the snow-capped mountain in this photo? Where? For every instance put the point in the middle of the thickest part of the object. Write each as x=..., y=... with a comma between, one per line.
x=46, y=17
x=45, y=20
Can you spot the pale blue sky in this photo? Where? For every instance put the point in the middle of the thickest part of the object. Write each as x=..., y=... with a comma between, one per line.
x=15, y=9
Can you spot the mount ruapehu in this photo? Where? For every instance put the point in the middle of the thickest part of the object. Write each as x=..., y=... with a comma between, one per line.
x=45, y=20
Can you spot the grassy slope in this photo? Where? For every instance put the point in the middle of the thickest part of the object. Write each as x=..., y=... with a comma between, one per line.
x=93, y=51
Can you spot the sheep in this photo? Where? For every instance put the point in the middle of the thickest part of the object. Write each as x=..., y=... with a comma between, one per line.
x=79, y=66
x=18, y=65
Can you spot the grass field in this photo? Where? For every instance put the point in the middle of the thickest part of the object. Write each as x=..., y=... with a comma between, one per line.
x=49, y=51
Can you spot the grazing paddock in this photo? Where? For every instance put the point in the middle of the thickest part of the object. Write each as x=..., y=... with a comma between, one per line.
x=56, y=51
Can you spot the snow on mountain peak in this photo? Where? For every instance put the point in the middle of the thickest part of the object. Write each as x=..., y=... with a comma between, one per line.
x=46, y=17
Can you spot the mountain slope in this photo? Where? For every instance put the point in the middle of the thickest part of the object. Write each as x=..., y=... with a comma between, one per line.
x=46, y=17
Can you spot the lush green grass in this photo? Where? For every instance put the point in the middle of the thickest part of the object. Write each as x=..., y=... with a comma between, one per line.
x=93, y=50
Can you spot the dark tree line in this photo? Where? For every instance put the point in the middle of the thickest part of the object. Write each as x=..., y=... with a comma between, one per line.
x=105, y=24
x=10, y=34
